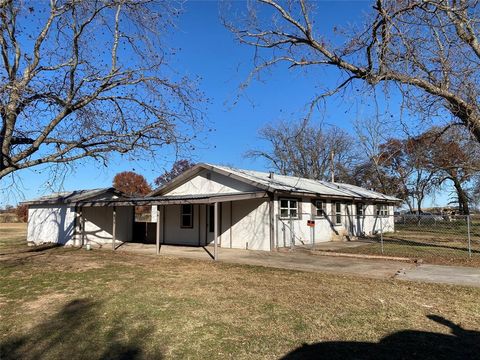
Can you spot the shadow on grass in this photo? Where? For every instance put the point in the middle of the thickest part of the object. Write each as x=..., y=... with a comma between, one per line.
x=77, y=332
x=423, y=244
x=408, y=344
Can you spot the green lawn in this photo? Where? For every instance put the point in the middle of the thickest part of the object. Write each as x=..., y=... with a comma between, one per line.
x=75, y=304
x=440, y=243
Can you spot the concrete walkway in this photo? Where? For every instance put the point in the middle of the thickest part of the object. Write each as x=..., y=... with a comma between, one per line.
x=458, y=275
x=305, y=261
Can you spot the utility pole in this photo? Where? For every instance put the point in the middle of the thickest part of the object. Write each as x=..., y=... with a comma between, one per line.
x=332, y=165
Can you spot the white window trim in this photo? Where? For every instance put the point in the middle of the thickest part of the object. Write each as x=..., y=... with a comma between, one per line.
x=363, y=206
x=323, y=208
x=382, y=210
x=336, y=213
x=288, y=208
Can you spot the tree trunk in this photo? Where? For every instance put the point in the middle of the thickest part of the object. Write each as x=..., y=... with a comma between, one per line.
x=419, y=204
x=462, y=197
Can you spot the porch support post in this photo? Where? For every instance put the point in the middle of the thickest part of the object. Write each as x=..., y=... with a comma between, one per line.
x=215, y=232
x=271, y=221
x=82, y=226
x=114, y=225
x=158, y=230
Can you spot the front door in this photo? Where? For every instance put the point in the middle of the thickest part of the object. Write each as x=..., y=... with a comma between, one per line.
x=210, y=223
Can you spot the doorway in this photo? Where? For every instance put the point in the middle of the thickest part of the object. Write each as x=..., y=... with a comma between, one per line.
x=210, y=225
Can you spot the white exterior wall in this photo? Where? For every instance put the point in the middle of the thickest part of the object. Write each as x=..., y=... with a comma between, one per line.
x=173, y=233
x=51, y=224
x=200, y=184
x=242, y=224
x=325, y=228
x=99, y=224
x=250, y=225
x=56, y=224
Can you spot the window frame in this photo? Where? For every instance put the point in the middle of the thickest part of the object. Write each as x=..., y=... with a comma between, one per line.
x=322, y=209
x=288, y=208
x=363, y=207
x=337, y=214
x=183, y=214
x=382, y=210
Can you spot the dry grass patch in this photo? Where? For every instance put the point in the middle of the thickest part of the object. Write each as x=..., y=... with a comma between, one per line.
x=124, y=305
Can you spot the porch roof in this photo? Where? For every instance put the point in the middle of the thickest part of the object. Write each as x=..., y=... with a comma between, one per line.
x=175, y=199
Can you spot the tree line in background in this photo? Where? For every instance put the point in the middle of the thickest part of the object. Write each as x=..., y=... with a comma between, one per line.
x=425, y=51
x=133, y=184
x=128, y=182
x=410, y=168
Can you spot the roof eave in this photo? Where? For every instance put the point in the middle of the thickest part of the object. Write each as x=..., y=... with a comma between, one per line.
x=184, y=177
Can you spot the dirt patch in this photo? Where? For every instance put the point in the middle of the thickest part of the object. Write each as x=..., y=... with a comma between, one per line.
x=68, y=262
x=46, y=302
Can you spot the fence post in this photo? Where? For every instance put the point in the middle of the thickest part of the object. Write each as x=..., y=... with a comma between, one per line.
x=381, y=233
x=312, y=233
x=469, y=237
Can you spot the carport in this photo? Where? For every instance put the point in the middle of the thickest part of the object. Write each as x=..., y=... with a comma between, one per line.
x=161, y=205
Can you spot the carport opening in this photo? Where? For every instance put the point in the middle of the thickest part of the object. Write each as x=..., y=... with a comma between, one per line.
x=144, y=227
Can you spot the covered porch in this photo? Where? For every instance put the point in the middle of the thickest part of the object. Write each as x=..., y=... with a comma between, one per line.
x=207, y=221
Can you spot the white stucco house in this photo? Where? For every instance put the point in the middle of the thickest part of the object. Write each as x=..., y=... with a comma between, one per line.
x=58, y=218
x=231, y=208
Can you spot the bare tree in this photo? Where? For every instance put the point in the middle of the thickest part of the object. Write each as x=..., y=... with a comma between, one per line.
x=401, y=167
x=428, y=49
x=474, y=193
x=457, y=158
x=178, y=168
x=87, y=78
x=305, y=150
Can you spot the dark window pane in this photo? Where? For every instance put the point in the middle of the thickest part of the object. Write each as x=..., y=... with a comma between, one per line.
x=187, y=209
x=186, y=221
x=284, y=203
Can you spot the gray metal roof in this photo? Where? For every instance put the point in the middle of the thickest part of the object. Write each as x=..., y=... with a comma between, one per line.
x=262, y=180
x=284, y=183
x=71, y=197
x=175, y=199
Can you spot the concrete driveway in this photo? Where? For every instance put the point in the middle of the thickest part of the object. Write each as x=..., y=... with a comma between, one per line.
x=306, y=261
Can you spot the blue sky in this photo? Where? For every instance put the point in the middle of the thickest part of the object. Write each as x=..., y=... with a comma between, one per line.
x=209, y=51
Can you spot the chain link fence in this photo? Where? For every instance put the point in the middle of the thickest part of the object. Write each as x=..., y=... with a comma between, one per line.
x=437, y=235
x=433, y=238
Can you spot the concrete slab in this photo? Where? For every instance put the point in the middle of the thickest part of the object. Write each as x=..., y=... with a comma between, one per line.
x=306, y=261
x=295, y=260
x=455, y=275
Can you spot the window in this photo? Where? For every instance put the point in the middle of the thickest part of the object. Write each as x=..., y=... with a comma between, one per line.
x=338, y=213
x=288, y=208
x=186, y=216
x=382, y=210
x=319, y=208
x=360, y=210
